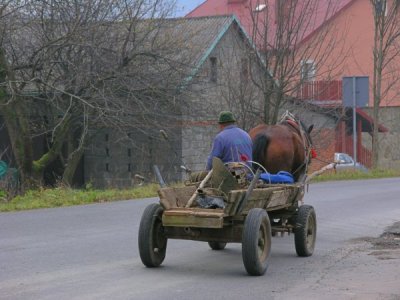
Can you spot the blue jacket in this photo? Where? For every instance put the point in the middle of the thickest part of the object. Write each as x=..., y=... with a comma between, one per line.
x=231, y=144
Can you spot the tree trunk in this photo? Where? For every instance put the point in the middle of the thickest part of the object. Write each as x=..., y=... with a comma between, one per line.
x=16, y=120
x=70, y=168
x=267, y=107
x=16, y=117
x=278, y=102
x=55, y=150
x=378, y=55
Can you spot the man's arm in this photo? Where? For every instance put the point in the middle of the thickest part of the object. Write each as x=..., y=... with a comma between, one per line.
x=216, y=151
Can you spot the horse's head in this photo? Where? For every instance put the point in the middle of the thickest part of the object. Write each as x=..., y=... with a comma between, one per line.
x=308, y=140
x=307, y=133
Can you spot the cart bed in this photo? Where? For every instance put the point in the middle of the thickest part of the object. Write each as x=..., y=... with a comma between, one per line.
x=270, y=198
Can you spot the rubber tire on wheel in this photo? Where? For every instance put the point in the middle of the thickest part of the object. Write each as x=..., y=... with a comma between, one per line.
x=152, y=241
x=305, y=231
x=256, y=242
x=217, y=245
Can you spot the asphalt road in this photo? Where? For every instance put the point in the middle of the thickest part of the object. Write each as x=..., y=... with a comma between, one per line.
x=90, y=252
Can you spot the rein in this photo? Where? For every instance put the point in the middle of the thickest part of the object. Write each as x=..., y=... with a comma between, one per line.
x=289, y=119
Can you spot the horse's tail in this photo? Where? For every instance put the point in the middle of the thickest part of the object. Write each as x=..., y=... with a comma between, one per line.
x=260, y=145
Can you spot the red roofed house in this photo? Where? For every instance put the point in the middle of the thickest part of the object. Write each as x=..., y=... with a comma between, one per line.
x=352, y=52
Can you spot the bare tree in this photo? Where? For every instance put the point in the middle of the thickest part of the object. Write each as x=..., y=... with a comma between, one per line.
x=385, y=52
x=66, y=66
x=236, y=87
x=294, y=39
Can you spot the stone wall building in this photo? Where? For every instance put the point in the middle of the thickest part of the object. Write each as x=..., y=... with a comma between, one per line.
x=389, y=141
x=218, y=77
x=215, y=63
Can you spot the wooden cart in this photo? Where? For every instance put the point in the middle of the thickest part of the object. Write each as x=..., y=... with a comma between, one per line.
x=251, y=215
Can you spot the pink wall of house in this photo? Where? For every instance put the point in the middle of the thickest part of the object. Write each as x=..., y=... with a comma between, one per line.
x=354, y=50
x=262, y=12
x=350, y=55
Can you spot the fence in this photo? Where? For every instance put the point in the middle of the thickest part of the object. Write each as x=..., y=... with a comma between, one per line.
x=323, y=92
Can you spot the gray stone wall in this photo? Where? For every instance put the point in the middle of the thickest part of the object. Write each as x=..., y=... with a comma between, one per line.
x=320, y=119
x=208, y=98
x=197, y=142
x=114, y=158
x=192, y=138
x=389, y=142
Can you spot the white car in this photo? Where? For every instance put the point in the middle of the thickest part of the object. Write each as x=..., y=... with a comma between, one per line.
x=346, y=162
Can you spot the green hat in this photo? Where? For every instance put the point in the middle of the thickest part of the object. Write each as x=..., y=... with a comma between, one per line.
x=226, y=117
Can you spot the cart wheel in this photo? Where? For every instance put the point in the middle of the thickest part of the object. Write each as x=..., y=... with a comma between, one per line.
x=152, y=240
x=217, y=245
x=256, y=242
x=305, y=231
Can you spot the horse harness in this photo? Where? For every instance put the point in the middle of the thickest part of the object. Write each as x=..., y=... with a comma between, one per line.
x=289, y=119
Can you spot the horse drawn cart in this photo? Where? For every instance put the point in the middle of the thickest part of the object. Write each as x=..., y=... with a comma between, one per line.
x=230, y=205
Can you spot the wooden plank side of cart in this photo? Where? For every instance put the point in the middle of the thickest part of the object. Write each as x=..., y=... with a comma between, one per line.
x=175, y=214
x=193, y=217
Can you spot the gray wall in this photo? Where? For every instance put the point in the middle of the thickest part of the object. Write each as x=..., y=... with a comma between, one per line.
x=389, y=157
x=208, y=98
x=191, y=138
x=114, y=158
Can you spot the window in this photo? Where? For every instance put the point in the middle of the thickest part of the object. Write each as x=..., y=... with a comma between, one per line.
x=386, y=7
x=260, y=7
x=244, y=71
x=129, y=152
x=308, y=70
x=213, y=69
x=380, y=7
x=346, y=158
x=392, y=8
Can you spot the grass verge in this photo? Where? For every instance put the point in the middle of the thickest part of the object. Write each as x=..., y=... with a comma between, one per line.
x=56, y=197
x=355, y=175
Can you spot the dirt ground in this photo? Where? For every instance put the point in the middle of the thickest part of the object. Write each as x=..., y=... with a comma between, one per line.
x=377, y=278
x=366, y=268
x=388, y=242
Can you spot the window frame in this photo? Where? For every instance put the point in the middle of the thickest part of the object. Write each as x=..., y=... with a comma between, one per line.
x=308, y=73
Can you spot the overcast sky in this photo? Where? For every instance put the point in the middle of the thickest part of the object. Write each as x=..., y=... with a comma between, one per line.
x=185, y=6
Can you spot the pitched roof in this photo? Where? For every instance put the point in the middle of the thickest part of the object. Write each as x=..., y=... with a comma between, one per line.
x=175, y=48
x=198, y=37
x=195, y=38
x=247, y=10
x=367, y=122
x=165, y=50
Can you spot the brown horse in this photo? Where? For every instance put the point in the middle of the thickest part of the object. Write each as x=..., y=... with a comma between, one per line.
x=286, y=146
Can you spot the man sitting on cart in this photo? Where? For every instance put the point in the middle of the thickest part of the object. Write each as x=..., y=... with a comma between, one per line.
x=231, y=144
